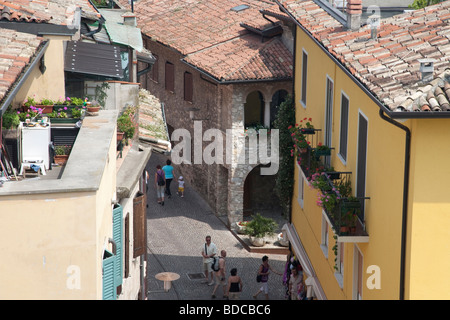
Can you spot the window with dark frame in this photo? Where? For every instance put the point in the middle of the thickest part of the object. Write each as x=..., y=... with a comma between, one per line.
x=344, y=128
x=188, y=86
x=169, y=77
x=304, y=76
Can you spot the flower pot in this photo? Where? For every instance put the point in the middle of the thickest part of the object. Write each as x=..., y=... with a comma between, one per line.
x=308, y=131
x=45, y=108
x=61, y=159
x=282, y=241
x=322, y=152
x=343, y=231
x=257, y=242
x=303, y=150
x=64, y=120
x=93, y=109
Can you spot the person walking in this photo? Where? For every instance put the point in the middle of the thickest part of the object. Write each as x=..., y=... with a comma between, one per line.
x=263, y=271
x=234, y=287
x=209, y=250
x=219, y=274
x=296, y=284
x=170, y=174
x=181, y=186
x=160, y=182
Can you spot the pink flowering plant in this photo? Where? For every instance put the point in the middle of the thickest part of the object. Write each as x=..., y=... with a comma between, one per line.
x=299, y=137
x=31, y=113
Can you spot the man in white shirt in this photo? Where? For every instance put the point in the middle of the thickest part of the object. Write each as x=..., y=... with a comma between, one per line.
x=209, y=250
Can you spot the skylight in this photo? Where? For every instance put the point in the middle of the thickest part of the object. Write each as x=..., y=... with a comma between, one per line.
x=240, y=7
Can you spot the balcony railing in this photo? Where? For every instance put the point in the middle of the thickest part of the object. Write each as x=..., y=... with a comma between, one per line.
x=344, y=212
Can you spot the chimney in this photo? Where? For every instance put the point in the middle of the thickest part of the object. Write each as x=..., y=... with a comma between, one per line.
x=354, y=12
x=129, y=19
x=426, y=69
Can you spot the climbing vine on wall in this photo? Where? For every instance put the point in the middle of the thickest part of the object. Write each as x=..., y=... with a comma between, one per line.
x=285, y=179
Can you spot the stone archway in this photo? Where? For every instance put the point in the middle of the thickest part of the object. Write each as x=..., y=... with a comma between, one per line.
x=254, y=109
x=277, y=98
x=259, y=194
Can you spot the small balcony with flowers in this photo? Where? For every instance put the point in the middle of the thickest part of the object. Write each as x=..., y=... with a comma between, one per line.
x=344, y=212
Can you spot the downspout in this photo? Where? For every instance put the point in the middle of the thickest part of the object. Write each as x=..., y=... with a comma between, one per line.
x=99, y=28
x=294, y=57
x=405, y=200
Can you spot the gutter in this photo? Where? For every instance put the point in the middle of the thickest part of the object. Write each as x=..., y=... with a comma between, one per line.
x=18, y=85
x=405, y=200
x=389, y=118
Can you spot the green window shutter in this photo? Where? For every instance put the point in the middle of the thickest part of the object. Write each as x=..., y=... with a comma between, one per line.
x=109, y=283
x=118, y=239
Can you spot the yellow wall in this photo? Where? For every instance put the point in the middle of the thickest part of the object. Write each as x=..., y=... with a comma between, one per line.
x=45, y=237
x=429, y=220
x=384, y=180
x=50, y=84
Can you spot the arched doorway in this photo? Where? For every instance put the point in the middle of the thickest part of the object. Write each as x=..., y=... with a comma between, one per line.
x=277, y=99
x=254, y=109
x=259, y=194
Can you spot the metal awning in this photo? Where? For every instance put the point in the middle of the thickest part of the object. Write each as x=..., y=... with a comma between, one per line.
x=93, y=58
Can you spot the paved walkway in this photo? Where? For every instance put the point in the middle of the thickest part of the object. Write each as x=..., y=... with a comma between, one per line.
x=176, y=234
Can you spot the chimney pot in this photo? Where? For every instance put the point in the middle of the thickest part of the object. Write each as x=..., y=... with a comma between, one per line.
x=426, y=69
x=354, y=12
x=129, y=19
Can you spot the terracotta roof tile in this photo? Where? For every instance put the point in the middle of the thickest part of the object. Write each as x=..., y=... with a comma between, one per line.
x=15, y=56
x=211, y=37
x=45, y=11
x=387, y=65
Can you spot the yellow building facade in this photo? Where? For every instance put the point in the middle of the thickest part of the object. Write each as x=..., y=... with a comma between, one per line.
x=401, y=256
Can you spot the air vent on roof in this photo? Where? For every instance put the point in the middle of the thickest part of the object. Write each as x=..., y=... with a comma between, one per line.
x=426, y=69
x=240, y=8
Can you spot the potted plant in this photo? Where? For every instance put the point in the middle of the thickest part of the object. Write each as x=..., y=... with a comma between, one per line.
x=258, y=228
x=28, y=102
x=77, y=112
x=31, y=114
x=126, y=125
x=10, y=119
x=322, y=150
x=93, y=107
x=62, y=154
x=241, y=226
x=46, y=105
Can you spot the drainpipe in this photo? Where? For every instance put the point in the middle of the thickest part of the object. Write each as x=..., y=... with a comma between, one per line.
x=99, y=28
x=405, y=200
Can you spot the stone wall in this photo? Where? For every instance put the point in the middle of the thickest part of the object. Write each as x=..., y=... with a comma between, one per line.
x=220, y=106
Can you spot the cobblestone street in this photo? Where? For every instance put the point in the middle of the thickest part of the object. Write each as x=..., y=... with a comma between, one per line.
x=176, y=234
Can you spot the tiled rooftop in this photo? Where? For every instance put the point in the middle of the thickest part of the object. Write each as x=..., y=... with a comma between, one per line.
x=45, y=11
x=210, y=35
x=387, y=65
x=16, y=51
x=245, y=58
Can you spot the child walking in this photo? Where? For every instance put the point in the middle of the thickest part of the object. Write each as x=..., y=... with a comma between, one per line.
x=181, y=186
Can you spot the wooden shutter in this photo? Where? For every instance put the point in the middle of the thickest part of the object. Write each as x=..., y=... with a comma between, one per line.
x=109, y=283
x=344, y=128
x=170, y=78
x=126, y=247
x=118, y=239
x=139, y=225
x=155, y=69
x=304, y=76
x=188, y=86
